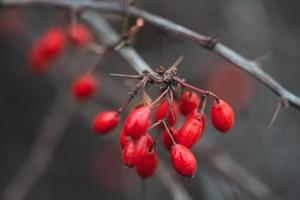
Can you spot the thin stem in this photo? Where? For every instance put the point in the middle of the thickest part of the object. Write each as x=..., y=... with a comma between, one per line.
x=203, y=103
x=159, y=98
x=133, y=93
x=184, y=84
x=168, y=130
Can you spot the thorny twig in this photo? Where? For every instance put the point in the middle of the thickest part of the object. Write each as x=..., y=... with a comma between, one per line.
x=209, y=43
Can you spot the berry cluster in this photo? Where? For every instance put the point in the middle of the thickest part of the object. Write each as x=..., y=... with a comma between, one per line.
x=139, y=148
x=52, y=43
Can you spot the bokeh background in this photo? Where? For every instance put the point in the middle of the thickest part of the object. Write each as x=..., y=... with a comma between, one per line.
x=87, y=166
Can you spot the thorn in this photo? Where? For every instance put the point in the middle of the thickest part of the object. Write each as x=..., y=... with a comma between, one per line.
x=212, y=40
x=176, y=63
x=127, y=76
x=283, y=103
x=263, y=58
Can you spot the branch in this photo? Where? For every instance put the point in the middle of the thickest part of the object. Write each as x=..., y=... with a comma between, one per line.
x=209, y=43
x=40, y=155
x=220, y=162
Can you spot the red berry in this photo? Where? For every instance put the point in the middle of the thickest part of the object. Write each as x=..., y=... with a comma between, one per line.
x=222, y=116
x=137, y=122
x=53, y=42
x=163, y=109
x=123, y=139
x=134, y=150
x=183, y=160
x=80, y=35
x=106, y=121
x=148, y=164
x=84, y=87
x=167, y=141
x=37, y=59
x=189, y=101
x=196, y=114
x=190, y=132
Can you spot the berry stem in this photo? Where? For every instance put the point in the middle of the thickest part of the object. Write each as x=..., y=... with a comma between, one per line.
x=184, y=84
x=203, y=103
x=159, y=98
x=168, y=130
x=170, y=101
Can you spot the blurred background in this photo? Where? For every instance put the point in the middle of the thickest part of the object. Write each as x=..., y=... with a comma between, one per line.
x=87, y=166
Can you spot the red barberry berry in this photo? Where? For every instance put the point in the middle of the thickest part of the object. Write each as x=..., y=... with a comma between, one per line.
x=53, y=42
x=167, y=141
x=183, y=160
x=38, y=62
x=190, y=132
x=84, y=87
x=106, y=121
x=148, y=164
x=196, y=114
x=80, y=35
x=137, y=122
x=222, y=116
x=189, y=101
x=163, y=109
x=123, y=139
x=134, y=150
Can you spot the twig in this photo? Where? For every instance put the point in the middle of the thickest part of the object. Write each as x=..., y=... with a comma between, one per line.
x=43, y=148
x=210, y=43
x=223, y=164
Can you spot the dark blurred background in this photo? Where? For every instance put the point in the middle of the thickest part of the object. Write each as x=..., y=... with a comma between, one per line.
x=86, y=166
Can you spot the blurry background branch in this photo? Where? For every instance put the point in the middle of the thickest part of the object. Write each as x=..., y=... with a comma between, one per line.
x=250, y=66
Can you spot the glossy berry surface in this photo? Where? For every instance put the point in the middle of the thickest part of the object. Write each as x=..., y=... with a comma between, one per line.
x=222, y=116
x=53, y=42
x=137, y=122
x=196, y=114
x=183, y=160
x=146, y=167
x=123, y=139
x=84, y=87
x=163, y=109
x=167, y=141
x=189, y=101
x=106, y=121
x=134, y=150
x=80, y=35
x=190, y=132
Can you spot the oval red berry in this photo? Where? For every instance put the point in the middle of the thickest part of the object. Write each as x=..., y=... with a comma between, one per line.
x=137, y=122
x=80, y=35
x=183, y=160
x=146, y=167
x=190, y=132
x=189, y=101
x=84, y=87
x=163, y=109
x=222, y=116
x=106, y=121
